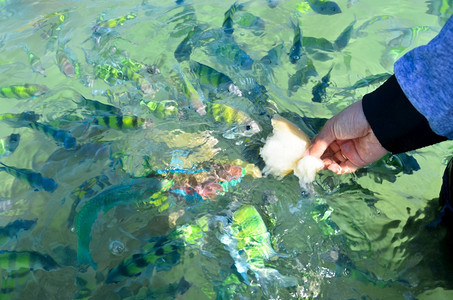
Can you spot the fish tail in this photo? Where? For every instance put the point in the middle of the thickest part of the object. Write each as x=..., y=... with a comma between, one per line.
x=84, y=257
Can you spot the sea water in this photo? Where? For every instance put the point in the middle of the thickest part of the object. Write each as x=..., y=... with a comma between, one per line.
x=363, y=235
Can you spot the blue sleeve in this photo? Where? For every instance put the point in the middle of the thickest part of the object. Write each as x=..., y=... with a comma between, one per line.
x=425, y=74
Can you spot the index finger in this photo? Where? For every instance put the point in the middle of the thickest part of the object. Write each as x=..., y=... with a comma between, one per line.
x=321, y=142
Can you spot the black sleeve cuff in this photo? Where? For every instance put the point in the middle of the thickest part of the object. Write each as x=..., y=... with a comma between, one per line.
x=398, y=126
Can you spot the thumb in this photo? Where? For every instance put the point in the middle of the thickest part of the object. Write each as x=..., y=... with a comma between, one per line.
x=322, y=141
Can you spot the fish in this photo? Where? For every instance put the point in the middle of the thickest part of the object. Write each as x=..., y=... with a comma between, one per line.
x=319, y=90
x=34, y=61
x=162, y=109
x=312, y=43
x=245, y=126
x=25, y=91
x=14, y=281
x=369, y=80
x=250, y=21
x=441, y=8
x=249, y=243
x=359, y=32
x=296, y=48
x=184, y=49
x=300, y=78
x=208, y=75
x=114, y=22
x=12, y=229
x=343, y=39
x=272, y=58
x=127, y=193
x=144, y=85
x=98, y=107
x=66, y=62
x=34, y=179
x=30, y=260
x=408, y=36
x=9, y=144
x=196, y=98
x=324, y=7
x=88, y=189
x=228, y=18
x=229, y=50
x=121, y=121
x=109, y=74
x=59, y=135
x=162, y=253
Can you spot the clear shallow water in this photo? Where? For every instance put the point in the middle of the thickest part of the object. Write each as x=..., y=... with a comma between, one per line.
x=372, y=242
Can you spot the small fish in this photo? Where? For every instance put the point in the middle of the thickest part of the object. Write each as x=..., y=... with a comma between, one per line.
x=98, y=107
x=369, y=80
x=272, y=58
x=250, y=21
x=12, y=229
x=300, y=78
x=25, y=91
x=249, y=244
x=324, y=7
x=312, y=43
x=244, y=125
x=109, y=74
x=359, y=32
x=142, y=83
x=184, y=49
x=228, y=18
x=59, y=135
x=233, y=54
x=35, y=180
x=319, y=90
x=133, y=192
x=162, y=109
x=121, y=122
x=9, y=144
x=30, y=260
x=67, y=64
x=343, y=39
x=195, y=97
x=29, y=116
x=296, y=48
x=163, y=253
x=14, y=281
x=34, y=62
x=114, y=22
x=408, y=35
x=208, y=75
x=89, y=188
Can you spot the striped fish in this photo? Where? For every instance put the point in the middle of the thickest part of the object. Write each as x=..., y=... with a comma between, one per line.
x=121, y=122
x=98, y=107
x=34, y=179
x=59, y=135
x=208, y=75
x=25, y=91
x=228, y=18
x=31, y=260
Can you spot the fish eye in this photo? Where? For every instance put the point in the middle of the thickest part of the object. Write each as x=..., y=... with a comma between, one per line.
x=248, y=127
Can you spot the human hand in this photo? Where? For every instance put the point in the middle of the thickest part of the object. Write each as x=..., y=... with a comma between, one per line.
x=347, y=142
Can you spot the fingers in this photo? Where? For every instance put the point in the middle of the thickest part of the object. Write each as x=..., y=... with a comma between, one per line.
x=322, y=141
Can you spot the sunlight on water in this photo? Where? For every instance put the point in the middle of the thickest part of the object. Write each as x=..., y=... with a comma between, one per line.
x=130, y=135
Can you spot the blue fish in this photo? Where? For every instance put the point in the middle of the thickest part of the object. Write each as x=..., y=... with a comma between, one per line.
x=13, y=228
x=34, y=179
x=324, y=7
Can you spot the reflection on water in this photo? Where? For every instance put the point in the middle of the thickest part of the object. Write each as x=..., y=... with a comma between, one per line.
x=130, y=137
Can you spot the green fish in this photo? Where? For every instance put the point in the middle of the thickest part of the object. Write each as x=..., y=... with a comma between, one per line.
x=369, y=80
x=30, y=260
x=25, y=91
x=121, y=122
x=162, y=109
x=312, y=43
x=210, y=76
x=301, y=76
x=28, y=116
x=162, y=252
x=249, y=243
x=13, y=282
x=196, y=98
x=143, y=84
x=133, y=192
x=244, y=125
x=114, y=22
x=228, y=18
x=34, y=62
x=35, y=180
x=184, y=49
x=9, y=144
x=98, y=107
x=319, y=90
